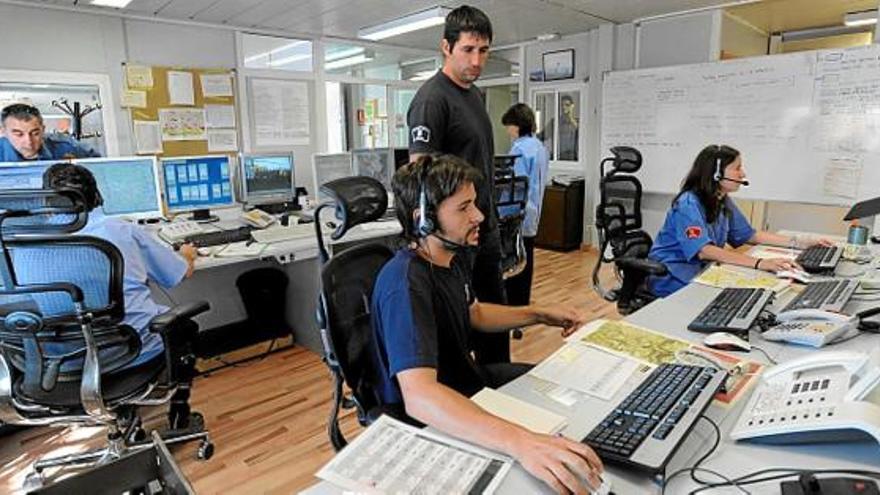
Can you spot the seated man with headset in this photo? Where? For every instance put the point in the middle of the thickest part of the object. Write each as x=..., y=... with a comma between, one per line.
x=424, y=314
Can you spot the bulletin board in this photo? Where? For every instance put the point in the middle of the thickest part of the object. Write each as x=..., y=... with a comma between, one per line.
x=202, y=124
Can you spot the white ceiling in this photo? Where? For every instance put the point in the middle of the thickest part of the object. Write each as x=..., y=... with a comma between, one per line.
x=513, y=20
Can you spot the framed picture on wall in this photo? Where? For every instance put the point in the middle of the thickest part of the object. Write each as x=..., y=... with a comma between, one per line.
x=558, y=65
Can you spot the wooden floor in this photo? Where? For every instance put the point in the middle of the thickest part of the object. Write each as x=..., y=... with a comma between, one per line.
x=267, y=418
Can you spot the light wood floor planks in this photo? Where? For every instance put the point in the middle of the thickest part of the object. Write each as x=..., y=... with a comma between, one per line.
x=267, y=418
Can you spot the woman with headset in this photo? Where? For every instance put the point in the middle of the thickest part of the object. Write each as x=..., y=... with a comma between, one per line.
x=704, y=219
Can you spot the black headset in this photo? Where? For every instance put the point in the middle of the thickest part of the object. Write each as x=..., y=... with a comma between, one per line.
x=425, y=225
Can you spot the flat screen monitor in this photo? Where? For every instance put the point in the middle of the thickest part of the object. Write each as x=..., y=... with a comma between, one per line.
x=267, y=178
x=23, y=175
x=129, y=185
x=328, y=167
x=377, y=163
x=401, y=157
x=197, y=184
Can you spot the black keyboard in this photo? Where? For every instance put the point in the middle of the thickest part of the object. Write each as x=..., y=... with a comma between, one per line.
x=647, y=426
x=217, y=238
x=818, y=259
x=734, y=310
x=829, y=295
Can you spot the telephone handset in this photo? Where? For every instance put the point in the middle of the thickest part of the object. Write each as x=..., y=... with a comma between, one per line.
x=823, y=397
x=258, y=218
x=813, y=327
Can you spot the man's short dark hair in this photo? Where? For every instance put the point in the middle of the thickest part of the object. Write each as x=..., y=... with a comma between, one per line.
x=466, y=19
x=20, y=111
x=567, y=98
x=442, y=174
x=66, y=175
x=522, y=117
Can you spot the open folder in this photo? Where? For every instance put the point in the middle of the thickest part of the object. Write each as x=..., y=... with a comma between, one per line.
x=529, y=416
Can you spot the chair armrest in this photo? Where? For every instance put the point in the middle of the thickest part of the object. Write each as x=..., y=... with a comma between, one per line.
x=168, y=319
x=645, y=265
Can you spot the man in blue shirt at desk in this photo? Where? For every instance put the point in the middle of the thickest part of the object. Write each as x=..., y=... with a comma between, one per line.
x=24, y=138
x=145, y=257
x=425, y=313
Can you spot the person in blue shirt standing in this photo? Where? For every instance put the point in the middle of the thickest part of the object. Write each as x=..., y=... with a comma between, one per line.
x=24, y=138
x=145, y=257
x=704, y=219
x=532, y=162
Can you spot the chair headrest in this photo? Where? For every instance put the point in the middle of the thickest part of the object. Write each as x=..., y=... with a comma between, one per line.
x=41, y=211
x=626, y=159
x=358, y=199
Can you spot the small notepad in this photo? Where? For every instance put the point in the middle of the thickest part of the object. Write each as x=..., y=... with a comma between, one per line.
x=529, y=416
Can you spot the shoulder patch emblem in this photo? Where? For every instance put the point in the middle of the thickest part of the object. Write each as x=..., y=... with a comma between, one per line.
x=421, y=133
x=693, y=232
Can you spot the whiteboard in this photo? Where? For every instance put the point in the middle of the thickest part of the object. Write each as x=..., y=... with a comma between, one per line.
x=807, y=124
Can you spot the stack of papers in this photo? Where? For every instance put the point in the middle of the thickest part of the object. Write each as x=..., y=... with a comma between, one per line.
x=529, y=416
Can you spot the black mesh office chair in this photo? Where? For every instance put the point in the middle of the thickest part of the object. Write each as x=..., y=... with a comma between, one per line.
x=619, y=225
x=344, y=303
x=511, y=196
x=63, y=349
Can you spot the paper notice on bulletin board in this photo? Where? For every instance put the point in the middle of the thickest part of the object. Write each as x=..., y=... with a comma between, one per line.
x=138, y=77
x=281, y=112
x=182, y=124
x=180, y=88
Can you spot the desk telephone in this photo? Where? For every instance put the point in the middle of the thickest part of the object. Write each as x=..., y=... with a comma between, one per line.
x=812, y=327
x=823, y=397
x=257, y=218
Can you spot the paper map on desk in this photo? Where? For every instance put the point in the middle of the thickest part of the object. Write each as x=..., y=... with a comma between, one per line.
x=627, y=339
x=655, y=348
x=393, y=457
x=726, y=276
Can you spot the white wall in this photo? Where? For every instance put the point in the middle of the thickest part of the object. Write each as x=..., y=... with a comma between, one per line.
x=683, y=39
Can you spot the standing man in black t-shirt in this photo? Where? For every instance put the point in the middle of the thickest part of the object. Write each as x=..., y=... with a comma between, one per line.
x=424, y=313
x=448, y=115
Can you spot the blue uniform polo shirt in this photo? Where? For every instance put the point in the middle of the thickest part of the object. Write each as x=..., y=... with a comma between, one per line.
x=685, y=231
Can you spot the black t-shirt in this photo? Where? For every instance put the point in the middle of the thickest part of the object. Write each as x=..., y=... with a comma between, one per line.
x=421, y=319
x=446, y=118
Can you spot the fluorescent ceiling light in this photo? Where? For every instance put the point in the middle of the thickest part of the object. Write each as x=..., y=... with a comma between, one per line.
x=345, y=62
x=413, y=22
x=344, y=53
x=111, y=3
x=423, y=75
x=864, y=18
x=278, y=50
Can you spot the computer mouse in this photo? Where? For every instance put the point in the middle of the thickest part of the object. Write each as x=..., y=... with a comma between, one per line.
x=796, y=275
x=726, y=341
x=204, y=251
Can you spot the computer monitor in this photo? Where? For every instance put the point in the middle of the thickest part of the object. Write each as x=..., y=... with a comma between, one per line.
x=267, y=178
x=197, y=183
x=327, y=167
x=23, y=175
x=129, y=185
x=377, y=163
x=401, y=157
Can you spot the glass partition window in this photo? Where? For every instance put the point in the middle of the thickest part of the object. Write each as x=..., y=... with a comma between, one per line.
x=370, y=62
x=557, y=114
x=502, y=63
x=269, y=52
x=50, y=99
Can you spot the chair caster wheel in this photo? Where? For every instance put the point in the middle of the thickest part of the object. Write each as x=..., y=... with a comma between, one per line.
x=32, y=482
x=206, y=451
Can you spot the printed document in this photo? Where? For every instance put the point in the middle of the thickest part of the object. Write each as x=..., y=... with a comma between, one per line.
x=393, y=457
x=519, y=412
x=587, y=368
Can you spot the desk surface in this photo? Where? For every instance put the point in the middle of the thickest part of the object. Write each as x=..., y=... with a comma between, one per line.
x=671, y=316
x=283, y=252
